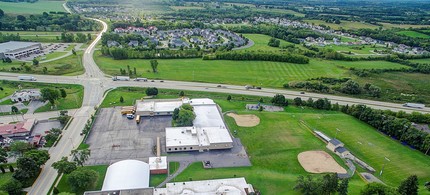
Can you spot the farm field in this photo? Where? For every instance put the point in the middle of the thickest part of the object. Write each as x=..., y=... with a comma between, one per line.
x=413, y=34
x=32, y=8
x=50, y=56
x=344, y=24
x=389, y=25
x=281, y=137
x=269, y=74
x=70, y=66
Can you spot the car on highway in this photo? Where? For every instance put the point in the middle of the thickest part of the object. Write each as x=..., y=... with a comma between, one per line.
x=161, y=81
x=302, y=92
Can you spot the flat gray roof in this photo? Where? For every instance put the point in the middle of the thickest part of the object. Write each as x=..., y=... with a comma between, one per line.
x=14, y=45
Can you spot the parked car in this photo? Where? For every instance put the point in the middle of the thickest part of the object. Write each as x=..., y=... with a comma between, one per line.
x=130, y=116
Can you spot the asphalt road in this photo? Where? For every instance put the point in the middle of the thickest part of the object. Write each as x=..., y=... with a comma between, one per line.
x=96, y=83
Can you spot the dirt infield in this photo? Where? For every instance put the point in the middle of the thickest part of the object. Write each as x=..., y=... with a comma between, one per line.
x=319, y=162
x=247, y=120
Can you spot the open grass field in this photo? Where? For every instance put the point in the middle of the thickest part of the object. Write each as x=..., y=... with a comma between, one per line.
x=390, y=25
x=275, y=143
x=423, y=61
x=344, y=24
x=178, y=8
x=268, y=74
x=280, y=11
x=75, y=94
x=261, y=41
x=52, y=55
x=364, y=49
x=32, y=8
x=63, y=185
x=413, y=34
x=70, y=66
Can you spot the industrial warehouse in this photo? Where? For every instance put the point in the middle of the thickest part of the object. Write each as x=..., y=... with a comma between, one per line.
x=133, y=176
x=16, y=49
x=208, y=132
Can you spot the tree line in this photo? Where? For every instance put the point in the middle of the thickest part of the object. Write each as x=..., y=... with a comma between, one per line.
x=129, y=53
x=260, y=56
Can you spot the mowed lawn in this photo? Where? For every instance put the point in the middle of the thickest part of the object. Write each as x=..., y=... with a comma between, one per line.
x=413, y=34
x=265, y=73
x=63, y=185
x=261, y=41
x=355, y=49
x=32, y=8
x=74, y=98
x=371, y=146
x=423, y=61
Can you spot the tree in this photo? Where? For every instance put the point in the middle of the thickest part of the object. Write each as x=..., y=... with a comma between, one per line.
x=11, y=169
x=63, y=93
x=375, y=91
x=261, y=100
x=3, y=155
x=20, y=147
x=64, y=166
x=274, y=42
x=307, y=185
x=260, y=108
x=351, y=87
x=377, y=188
x=21, y=18
x=279, y=100
x=185, y=118
x=154, y=66
x=151, y=91
x=121, y=99
x=45, y=70
x=329, y=184
x=297, y=101
x=181, y=94
x=82, y=179
x=409, y=186
x=2, y=169
x=39, y=156
x=14, y=109
x=27, y=169
x=228, y=97
x=1, y=13
x=35, y=62
x=187, y=107
x=12, y=187
x=50, y=95
x=80, y=156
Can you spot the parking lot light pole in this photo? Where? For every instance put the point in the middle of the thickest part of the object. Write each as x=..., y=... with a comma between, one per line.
x=337, y=131
x=383, y=166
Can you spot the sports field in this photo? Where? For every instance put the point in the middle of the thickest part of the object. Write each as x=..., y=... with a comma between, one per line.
x=32, y=8
x=268, y=74
x=274, y=144
x=413, y=34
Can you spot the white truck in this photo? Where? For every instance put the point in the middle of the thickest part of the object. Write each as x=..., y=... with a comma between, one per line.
x=120, y=78
x=141, y=79
x=414, y=105
x=27, y=78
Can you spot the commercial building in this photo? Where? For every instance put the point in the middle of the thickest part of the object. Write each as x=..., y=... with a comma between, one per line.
x=157, y=107
x=131, y=177
x=17, y=129
x=25, y=95
x=17, y=49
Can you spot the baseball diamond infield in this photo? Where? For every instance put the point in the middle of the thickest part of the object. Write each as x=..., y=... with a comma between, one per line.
x=319, y=162
x=246, y=120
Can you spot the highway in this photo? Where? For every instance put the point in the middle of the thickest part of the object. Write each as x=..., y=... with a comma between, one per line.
x=95, y=83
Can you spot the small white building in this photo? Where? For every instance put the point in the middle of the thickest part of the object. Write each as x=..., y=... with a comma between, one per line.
x=126, y=174
x=25, y=95
x=158, y=165
x=157, y=107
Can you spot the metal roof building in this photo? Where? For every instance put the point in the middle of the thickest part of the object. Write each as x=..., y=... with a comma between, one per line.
x=126, y=174
x=17, y=49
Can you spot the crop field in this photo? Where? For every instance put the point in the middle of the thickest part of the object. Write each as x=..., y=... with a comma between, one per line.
x=275, y=143
x=70, y=66
x=267, y=74
x=32, y=8
x=413, y=34
x=344, y=24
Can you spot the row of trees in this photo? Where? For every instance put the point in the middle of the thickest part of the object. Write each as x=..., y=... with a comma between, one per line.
x=52, y=95
x=384, y=121
x=260, y=56
x=78, y=37
x=129, y=53
x=326, y=185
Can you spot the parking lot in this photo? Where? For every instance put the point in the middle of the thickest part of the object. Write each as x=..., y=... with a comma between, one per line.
x=114, y=137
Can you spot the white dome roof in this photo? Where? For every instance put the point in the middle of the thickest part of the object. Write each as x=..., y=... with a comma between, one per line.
x=126, y=174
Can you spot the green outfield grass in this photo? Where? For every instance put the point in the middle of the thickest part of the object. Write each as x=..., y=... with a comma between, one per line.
x=75, y=95
x=63, y=185
x=344, y=24
x=268, y=74
x=70, y=66
x=32, y=8
x=413, y=34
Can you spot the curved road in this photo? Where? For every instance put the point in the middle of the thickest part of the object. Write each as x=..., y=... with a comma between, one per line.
x=96, y=83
